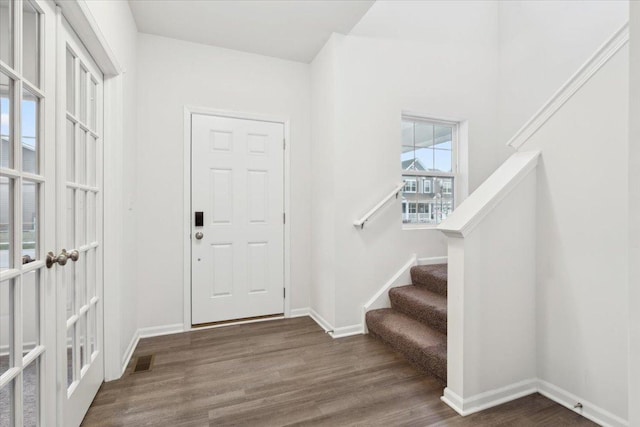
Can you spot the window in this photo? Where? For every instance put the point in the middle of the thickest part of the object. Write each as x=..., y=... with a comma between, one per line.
x=426, y=186
x=446, y=187
x=428, y=156
x=410, y=186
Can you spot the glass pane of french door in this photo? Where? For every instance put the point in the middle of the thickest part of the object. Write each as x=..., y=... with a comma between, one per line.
x=79, y=225
x=24, y=337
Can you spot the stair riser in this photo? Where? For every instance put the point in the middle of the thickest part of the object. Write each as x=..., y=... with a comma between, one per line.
x=432, y=282
x=429, y=363
x=424, y=314
x=433, y=286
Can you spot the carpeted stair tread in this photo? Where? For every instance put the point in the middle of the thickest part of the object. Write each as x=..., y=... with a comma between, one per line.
x=421, y=304
x=422, y=345
x=432, y=277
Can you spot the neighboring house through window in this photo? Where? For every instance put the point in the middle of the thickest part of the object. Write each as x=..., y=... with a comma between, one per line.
x=426, y=186
x=446, y=187
x=428, y=158
x=410, y=186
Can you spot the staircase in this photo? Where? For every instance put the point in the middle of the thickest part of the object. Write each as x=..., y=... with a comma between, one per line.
x=416, y=323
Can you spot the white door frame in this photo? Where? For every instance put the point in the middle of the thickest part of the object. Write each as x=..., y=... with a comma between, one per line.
x=81, y=20
x=188, y=112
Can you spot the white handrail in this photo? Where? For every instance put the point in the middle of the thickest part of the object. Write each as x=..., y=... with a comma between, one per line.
x=464, y=219
x=360, y=223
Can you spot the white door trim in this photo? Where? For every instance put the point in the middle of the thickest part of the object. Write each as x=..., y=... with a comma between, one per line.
x=188, y=112
x=82, y=21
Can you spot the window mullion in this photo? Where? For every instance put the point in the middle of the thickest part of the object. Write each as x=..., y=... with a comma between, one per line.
x=16, y=195
x=433, y=145
x=17, y=36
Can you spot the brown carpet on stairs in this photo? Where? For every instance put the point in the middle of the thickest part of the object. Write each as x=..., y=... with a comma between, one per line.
x=432, y=277
x=416, y=323
x=423, y=305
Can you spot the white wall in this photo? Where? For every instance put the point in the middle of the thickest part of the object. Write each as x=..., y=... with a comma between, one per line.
x=582, y=267
x=582, y=237
x=634, y=215
x=323, y=185
x=542, y=44
x=174, y=74
x=119, y=29
x=439, y=58
x=453, y=75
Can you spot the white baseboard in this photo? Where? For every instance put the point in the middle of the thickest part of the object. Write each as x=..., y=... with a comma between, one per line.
x=506, y=394
x=129, y=352
x=453, y=400
x=321, y=321
x=347, y=331
x=299, y=312
x=490, y=398
x=155, y=331
x=589, y=410
x=433, y=260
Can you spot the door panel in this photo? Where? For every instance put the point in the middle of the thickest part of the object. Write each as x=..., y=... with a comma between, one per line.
x=79, y=228
x=238, y=183
x=27, y=174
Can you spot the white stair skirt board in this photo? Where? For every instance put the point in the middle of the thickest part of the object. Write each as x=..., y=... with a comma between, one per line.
x=571, y=86
x=402, y=277
x=381, y=298
x=496, y=397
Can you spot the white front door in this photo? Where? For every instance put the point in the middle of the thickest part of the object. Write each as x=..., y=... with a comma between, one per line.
x=238, y=195
x=79, y=227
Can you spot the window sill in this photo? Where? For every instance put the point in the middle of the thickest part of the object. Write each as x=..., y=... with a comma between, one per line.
x=408, y=227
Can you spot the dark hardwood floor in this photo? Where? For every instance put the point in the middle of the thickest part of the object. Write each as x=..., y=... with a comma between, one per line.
x=289, y=372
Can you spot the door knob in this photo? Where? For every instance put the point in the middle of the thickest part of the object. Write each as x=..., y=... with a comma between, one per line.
x=73, y=254
x=62, y=259
x=53, y=258
x=199, y=235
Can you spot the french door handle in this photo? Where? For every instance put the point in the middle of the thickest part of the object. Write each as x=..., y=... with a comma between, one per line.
x=62, y=259
x=73, y=254
x=59, y=259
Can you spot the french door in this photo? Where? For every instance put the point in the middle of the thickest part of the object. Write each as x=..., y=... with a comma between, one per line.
x=51, y=362
x=27, y=214
x=78, y=227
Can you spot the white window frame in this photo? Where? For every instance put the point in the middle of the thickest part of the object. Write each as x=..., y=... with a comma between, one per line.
x=426, y=181
x=447, y=187
x=455, y=165
x=414, y=184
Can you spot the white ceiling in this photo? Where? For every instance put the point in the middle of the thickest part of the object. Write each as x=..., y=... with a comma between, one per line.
x=287, y=29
